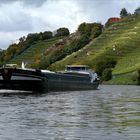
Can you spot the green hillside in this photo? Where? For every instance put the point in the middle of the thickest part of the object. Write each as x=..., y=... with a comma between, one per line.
x=37, y=49
x=124, y=36
x=118, y=45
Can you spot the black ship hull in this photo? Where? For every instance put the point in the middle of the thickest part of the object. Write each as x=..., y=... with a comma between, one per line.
x=69, y=82
x=35, y=80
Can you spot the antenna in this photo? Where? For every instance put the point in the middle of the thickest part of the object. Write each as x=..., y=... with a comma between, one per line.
x=23, y=65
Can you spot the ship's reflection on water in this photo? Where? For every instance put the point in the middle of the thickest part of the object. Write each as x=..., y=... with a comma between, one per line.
x=112, y=112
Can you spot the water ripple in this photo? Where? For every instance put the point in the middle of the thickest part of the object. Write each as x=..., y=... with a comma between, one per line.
x=112, y=112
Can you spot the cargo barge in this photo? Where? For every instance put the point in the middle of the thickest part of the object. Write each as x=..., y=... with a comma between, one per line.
x=77, y=77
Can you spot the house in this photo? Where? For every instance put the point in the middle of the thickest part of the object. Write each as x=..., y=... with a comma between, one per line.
x=113, y=19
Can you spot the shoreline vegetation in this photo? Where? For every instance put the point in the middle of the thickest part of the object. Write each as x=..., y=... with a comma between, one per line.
x=132, y=78
x=112, y=50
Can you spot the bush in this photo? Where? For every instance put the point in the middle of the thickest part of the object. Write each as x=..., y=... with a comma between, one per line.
x=138, y=77
x=91, y=29
x=82, y=28
x=107, y=74
x=62, y=32
x=101, y=65
x=96, y=30
x=46, y=35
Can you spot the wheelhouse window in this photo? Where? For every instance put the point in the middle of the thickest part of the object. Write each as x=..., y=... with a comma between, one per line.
x=76, y=68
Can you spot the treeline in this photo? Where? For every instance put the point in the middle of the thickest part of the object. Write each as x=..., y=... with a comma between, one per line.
x=25, y=42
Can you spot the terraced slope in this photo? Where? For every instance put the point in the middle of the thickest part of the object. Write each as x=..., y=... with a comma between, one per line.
x=29, y=54
x=121, y=42
x=129, y=63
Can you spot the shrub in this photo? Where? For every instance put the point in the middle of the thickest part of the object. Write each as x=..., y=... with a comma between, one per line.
x=101, y=65
x=91, y=29
x=46, y=35
x=62, y=32
x=96, y=30
x=107, y=74
x=138, y=77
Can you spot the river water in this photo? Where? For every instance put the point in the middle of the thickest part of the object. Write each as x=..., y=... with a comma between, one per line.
x=110, y=113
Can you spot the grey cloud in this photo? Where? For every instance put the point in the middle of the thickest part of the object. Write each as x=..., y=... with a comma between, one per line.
x=40, y=15
x=101, y=10
x=4, y=43
x=6, y=1
x=36, y=3
x=20, y=22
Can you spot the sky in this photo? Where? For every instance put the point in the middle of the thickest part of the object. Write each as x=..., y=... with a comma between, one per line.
x=20, y=17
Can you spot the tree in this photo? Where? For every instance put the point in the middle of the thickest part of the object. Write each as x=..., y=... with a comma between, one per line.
x=102, y=64
x=46, y=35
x=82, y=28
x=138, y=77
x=32, y=37
x=62, y=32
x=2, y=54
x=96, y=30
x=123, y=13
x=137, y=11
x=22, y=39
x=107, y=74
x=91, y=29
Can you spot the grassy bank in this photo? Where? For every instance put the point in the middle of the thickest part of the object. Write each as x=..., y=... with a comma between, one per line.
x=123, y=79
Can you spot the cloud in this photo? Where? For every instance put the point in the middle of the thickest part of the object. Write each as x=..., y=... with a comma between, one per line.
x=8, y=38
x=47, y=17
x=36, y=3
x=101, y=10
x=14, y=19
x=57, y=14
x=20, y=17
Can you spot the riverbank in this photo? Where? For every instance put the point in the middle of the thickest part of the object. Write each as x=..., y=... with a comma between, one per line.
x=123, y=79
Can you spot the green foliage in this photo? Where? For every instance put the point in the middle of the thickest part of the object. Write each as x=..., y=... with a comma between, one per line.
x=96, y=30
x=25, y=43
x=62, y=32
x=123, y=13
x=138, y=77
x=104, y=64
x=2, y=57
x=32, y=37
x=81, y=43
x=46, y=35
x=44, y=63
x=107, y=74
x=122, y=80
x=10, y=52
x=34, y=53
x=61, y=51
x=91, y=29
x=82, y=28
